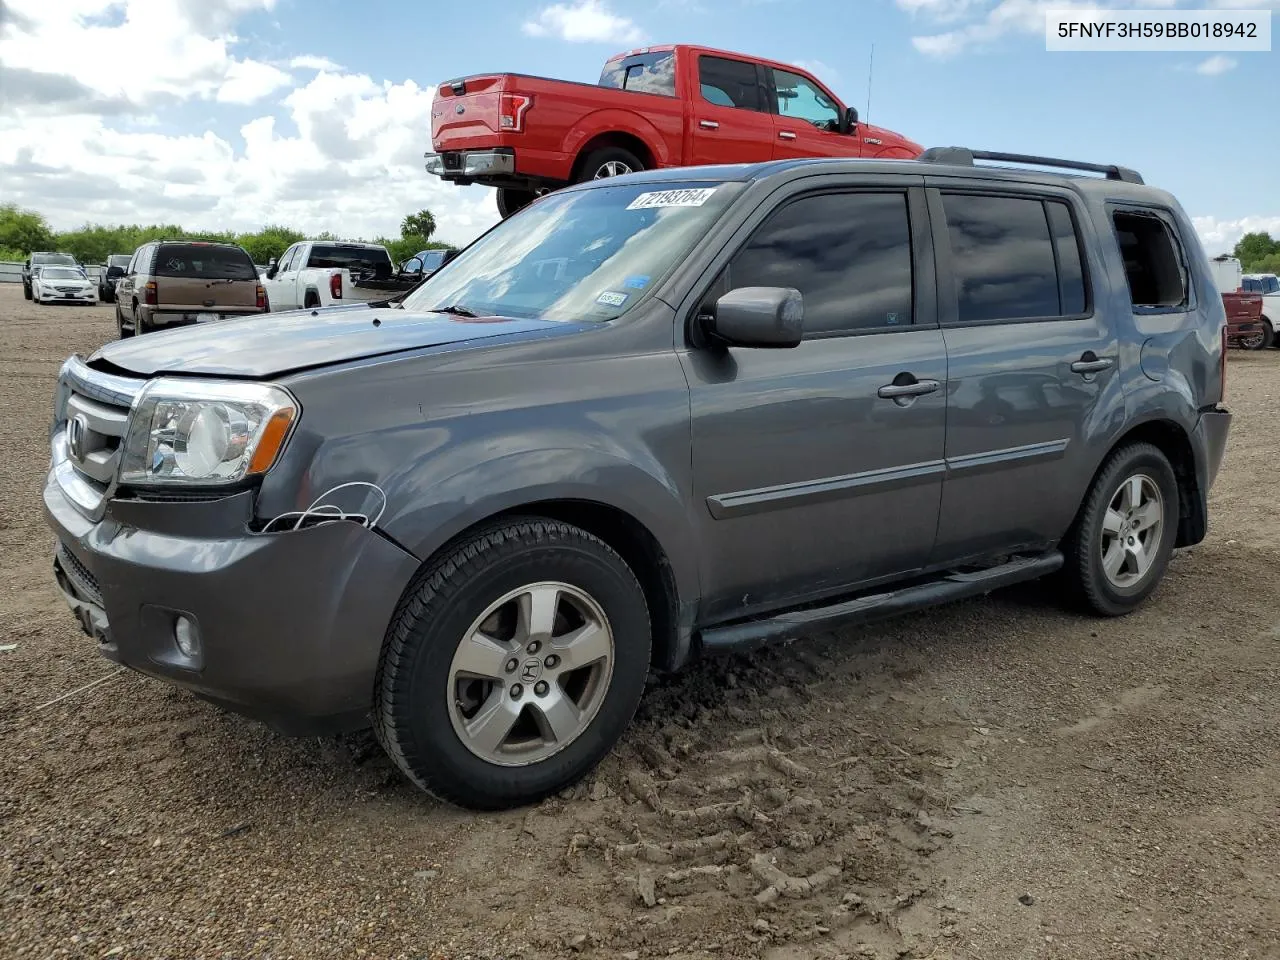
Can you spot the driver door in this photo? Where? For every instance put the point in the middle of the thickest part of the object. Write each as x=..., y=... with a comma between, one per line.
x=807, y=120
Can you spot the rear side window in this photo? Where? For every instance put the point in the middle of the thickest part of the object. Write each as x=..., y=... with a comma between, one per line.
x=1014, y=258
x=327, y=256
x=848, y=254
x=204, y=261
x=646, y=73
x=730, y=83
x=1153, y=261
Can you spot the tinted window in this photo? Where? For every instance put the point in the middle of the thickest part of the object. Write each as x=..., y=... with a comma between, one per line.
x=205, y=261
x=1066, y=244
x=647, y=73
x=800, y=99
x=1153, y=262
x=431, y=259
x=355, y=259
x=730, y=83
x=1002, y=257
x=848, y=254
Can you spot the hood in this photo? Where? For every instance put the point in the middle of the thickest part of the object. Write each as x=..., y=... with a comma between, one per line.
x=276, y=343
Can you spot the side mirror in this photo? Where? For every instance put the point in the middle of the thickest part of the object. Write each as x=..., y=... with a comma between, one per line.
x=759, y=317
x=849, y=120
x=408, y=265
x=271, y=268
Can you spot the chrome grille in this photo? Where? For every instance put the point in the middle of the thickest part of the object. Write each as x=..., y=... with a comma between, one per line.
x=91, y=418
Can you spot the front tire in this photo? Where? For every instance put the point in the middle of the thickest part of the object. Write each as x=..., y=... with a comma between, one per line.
x=1119, y=548
x=513, y=201
x=513, y=664
x=26, y=292
x=609, y=162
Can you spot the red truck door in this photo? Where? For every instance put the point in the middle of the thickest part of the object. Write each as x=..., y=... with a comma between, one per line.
x=807, y=123
x=729, y=116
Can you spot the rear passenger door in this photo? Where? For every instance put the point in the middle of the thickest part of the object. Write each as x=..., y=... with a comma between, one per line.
x=731, y=115
x=126, y=291
x=1032, y=364
x=819, y=468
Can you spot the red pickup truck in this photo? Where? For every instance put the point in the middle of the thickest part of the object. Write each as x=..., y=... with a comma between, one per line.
x=665, y=106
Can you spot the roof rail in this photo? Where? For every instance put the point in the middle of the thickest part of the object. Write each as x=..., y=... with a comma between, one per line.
x=964, y=157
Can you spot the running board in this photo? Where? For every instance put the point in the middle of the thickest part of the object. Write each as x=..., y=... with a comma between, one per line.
x=878, y=606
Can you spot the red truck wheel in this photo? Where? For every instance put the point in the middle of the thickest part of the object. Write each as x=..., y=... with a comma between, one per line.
x=511, y=201
x=1260, y=340
x=609, y=162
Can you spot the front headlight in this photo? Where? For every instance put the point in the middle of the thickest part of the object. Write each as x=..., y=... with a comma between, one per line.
x=205, y=431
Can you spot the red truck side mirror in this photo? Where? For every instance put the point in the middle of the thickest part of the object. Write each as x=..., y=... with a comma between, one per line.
x=849, y=120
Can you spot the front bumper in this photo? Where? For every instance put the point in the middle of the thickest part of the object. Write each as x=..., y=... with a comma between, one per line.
x=57, y=295
x=291, y=624
x=472, y=164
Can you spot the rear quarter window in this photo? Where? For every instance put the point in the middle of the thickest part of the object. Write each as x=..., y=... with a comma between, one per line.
x=204, y=262
x=645, y=73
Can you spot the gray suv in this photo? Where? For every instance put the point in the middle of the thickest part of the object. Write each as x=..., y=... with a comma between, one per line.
x=677, y=412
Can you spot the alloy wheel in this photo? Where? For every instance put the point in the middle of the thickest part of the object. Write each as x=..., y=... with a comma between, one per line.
x=1132, y=529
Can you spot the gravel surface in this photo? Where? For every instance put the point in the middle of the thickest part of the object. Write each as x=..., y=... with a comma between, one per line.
x=997, y=779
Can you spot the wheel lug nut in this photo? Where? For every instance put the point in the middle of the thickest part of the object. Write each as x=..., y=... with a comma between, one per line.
x=552, y=662
x=534, y=647
x=540, y=688
x=512, y=664
x=517, y=691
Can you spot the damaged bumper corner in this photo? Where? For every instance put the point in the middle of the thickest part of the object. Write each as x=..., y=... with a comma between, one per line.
x=290, y=624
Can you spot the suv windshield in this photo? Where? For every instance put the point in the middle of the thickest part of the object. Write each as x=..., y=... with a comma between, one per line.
x=204, y=261
x=575, y=255
x=60, y=273
x=356, y=259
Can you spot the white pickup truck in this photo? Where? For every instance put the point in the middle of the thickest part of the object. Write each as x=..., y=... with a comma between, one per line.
x=1267, y=284
x=324, y=273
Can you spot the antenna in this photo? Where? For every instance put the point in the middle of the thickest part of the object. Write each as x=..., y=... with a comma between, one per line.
x=870, y=73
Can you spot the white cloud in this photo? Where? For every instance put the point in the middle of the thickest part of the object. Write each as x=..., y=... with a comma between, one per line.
x=1220, y=236
x=1216, y=64
x=822, y=71
x=586, y=21
x=309, y=62
x=85, y=138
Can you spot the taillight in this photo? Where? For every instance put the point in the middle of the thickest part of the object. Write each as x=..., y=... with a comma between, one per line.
x=335, y=286
x=511, y=111
x=149, y=294
x=262, y=297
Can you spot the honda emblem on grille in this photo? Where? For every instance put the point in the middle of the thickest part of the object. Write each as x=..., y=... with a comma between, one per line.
x=77, y=427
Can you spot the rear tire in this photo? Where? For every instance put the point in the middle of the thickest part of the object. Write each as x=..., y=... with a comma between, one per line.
x=1120, y=545
x=478, y=698
x=609, y=162
x=1261, y=340
x=513, y=201
x=120, y=329
x=310, y=300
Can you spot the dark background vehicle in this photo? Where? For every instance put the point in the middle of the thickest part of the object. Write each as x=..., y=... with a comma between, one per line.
x=174, y=283
x=112, y=271
x=698, y=411
x=659, y=106
x=44, y=258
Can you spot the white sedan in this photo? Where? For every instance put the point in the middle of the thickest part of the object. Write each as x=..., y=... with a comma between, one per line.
x=62, y=285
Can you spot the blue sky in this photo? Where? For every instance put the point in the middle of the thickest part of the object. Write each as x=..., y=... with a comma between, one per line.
x=314, y=111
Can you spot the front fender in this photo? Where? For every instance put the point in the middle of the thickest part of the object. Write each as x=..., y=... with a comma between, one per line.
x=428, y=508
x=617, y=121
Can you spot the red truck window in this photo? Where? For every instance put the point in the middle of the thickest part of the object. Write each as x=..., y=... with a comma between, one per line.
x=731, y=83
x=645, y=73
x=800, y=99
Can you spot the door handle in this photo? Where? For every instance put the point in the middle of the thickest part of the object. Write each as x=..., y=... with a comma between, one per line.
x=786, y=135
x=1090, y=364
x=708, y=125
x=895, y=391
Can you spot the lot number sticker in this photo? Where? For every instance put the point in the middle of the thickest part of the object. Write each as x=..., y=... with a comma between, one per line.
x=672, y=198
x=612, y=299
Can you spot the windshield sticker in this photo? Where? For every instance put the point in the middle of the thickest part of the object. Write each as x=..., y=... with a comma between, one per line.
x=635, y=283
x=611, y=299
x=672, y=198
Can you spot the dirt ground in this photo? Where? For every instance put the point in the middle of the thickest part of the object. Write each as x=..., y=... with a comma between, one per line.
x=998, y=779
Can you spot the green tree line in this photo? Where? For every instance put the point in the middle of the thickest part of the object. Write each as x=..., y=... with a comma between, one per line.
x=1258, y=253
x=22, y=231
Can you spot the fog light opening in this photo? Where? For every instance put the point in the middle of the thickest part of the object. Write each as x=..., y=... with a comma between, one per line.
x=187, y=637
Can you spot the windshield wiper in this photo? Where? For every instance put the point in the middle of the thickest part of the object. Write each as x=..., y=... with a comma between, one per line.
x=457, y=309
